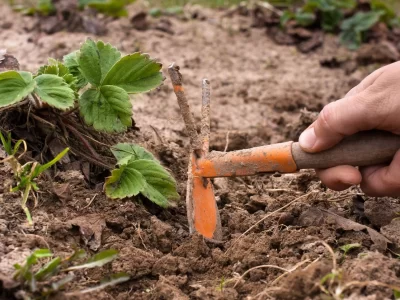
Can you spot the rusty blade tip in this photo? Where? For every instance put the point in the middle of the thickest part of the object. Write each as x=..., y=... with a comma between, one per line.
x=206, y=81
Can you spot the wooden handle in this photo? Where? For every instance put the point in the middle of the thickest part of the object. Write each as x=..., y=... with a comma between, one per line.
x=361, y=149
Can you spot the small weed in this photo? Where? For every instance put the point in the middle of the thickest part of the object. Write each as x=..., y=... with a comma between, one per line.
x=221, y=285
x=346, y=248
x=26, y=174
x=43, y=280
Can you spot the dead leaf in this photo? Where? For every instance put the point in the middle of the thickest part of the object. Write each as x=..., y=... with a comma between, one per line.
x=91, y=228
x=63, y=192
x=317, y=217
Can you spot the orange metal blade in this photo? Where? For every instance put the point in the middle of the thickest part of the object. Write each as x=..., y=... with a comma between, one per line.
x=271, y=158
x=205, y=214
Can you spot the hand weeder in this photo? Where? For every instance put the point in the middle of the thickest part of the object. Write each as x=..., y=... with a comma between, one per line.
x=361, y=149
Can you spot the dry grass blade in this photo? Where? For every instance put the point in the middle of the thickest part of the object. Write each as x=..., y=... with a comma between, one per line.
x=258, y=267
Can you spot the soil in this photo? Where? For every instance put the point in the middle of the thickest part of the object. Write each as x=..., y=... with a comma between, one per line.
x=261, y=93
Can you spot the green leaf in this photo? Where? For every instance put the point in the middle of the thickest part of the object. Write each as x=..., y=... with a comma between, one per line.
x=396, y=294
x=48, y=270
x=15, y=86
x=286, y=17
x=161, y=186
x=113, y=280
x=125, y=152
x=115, y=8
x=107, y=109
x=42, y=253
x=361, y=21
x=124, y=182
x=55, y=67
x=45, y=7
x=155, y=12
x=135, y=73
x=142, y=176
x=331, y=20
x=348, y=247
x=351, y=39
x=96, y=59
x=6, y=142
x=71, y=62
x=53, y=90
x=56, y=286
x=304, y=18
x=329, y=276
x=98, y=260
x=345, y=4
x=41, y=168
x=78, y=254
x=387, y=12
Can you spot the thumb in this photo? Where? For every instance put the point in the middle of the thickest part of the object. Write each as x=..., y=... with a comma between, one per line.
x=337, y=120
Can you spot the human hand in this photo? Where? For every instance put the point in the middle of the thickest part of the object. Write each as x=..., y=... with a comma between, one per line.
x=373, y=104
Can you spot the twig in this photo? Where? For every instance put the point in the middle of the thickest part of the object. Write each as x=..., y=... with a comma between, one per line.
x=267, y=216
x=227, y=141
x=43, y=121
x=83, y=140
x=205, y=116
x=90, y=202
x=18, y=104
x=176, y=78
x=138, y=230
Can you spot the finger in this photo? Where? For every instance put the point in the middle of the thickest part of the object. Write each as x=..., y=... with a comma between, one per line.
x=382, y=180
x=340, y=178
x=343, y=117
x=366, y=82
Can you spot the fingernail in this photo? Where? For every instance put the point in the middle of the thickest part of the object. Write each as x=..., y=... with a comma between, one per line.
x=307, y=139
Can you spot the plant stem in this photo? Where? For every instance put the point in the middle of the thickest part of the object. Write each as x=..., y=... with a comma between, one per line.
x=25, y=196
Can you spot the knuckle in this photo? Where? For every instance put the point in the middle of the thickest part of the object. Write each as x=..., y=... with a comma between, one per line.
x=327, y=118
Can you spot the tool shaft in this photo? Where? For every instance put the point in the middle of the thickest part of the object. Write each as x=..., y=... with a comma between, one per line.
x=361, y=149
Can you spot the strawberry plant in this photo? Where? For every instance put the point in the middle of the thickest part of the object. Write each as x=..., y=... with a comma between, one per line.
x=85, y=95
x=105, y=104
x=330, y=16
